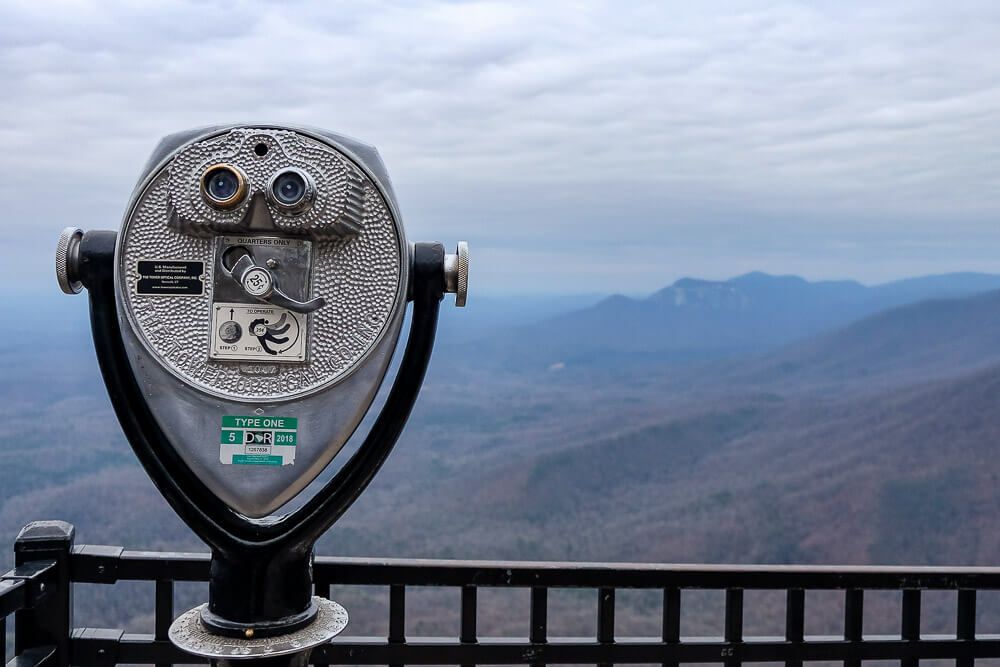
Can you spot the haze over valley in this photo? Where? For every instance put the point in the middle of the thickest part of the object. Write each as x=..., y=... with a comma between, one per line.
x=758, y=419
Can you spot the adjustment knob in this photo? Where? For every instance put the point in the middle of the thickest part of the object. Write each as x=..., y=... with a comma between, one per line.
x=68, y=260
x=456, y=273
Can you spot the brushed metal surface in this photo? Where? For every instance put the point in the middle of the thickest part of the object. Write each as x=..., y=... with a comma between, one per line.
x=189, y=634
x=359, y=274
x=362, y=273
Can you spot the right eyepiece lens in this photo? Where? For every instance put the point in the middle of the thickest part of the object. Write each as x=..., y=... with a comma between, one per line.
x=289, y=188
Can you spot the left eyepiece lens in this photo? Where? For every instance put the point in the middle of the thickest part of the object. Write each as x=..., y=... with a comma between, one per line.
x=223, y=186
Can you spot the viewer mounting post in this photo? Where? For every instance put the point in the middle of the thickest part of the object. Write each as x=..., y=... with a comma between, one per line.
x=244, y=317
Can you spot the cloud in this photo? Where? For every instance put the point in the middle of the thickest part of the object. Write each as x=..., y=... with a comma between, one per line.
x=613, y=146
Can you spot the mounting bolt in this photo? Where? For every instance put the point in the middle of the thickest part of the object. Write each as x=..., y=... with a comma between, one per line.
x=456, y=273
x=248, y=633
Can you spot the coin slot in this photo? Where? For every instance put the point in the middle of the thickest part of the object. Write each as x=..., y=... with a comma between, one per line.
x=232, y=255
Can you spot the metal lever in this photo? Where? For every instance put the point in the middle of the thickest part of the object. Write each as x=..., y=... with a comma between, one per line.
x=258, y=282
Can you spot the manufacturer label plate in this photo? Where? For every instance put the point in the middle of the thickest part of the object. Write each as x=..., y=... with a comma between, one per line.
x=258, y=332
x=268, y=441
x=169, y=277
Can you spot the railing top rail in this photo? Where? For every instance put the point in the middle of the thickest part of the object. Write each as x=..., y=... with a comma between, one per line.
x=23, y=586
x=13, y=596
x=102, y=564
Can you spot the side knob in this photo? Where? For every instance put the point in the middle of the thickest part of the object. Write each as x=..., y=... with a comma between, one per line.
x=456, y=273
x=68, y=260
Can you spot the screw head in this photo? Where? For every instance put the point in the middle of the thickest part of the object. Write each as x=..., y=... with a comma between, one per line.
x=248, y=633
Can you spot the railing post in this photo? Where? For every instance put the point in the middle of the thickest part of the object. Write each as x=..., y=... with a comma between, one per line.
x=50, y=621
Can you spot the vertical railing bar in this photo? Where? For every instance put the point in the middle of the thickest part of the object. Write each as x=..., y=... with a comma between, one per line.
x=397, y=615
x=671, y=633
x=795, y=620
x=854, y=614
x=910, y=626
x=538, y=619
x=734, y=623
x=467, y=632
x=164, y=614
x=671, y=615
x=3, y=640
x=606, y=615
x=605, y=618
x=734, y=615
x=911, y=614
x=965, y=623
x=854, y=620
x=322, y=589
x=468, y=621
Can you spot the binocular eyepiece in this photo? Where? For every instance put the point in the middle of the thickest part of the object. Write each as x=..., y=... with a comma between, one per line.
x=245, y=315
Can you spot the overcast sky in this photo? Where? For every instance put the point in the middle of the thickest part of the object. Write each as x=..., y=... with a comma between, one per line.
x=578, y=146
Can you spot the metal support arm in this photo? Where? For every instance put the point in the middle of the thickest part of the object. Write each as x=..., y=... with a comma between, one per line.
x=261, y=571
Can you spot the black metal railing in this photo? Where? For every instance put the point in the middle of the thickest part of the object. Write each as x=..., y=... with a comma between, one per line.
x=39, y=591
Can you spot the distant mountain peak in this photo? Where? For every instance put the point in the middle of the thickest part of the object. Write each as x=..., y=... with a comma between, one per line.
x=761, y=278
x=614, y=300
x=693, y=283
x=746, y=284
x=751, y=279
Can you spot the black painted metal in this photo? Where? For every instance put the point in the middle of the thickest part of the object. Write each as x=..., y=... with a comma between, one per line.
x=965, y=622
x=795, y=621
x=100, y=564
x=164, y=612
x=469, y=616
x=539, y=615
x=910, y=630
x=38, y=656
x=854, y=605
x=42, y=557
x=261, y=575
x=97, y=646
x=538, y=618
x=733, y=633
x=671, y=621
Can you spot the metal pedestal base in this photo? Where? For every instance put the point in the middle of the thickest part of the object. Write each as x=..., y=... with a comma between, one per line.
x=189, y=634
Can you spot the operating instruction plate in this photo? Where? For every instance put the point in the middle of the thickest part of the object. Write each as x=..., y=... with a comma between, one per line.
x=256, y=332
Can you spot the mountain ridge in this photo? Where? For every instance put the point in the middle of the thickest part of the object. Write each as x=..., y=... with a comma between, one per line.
x=694, y=320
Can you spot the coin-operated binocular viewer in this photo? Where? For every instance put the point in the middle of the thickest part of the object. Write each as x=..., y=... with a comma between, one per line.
x=245, y=315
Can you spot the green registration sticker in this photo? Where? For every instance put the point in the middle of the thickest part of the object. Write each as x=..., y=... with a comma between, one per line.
x=258, y=440
x=256, y=460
